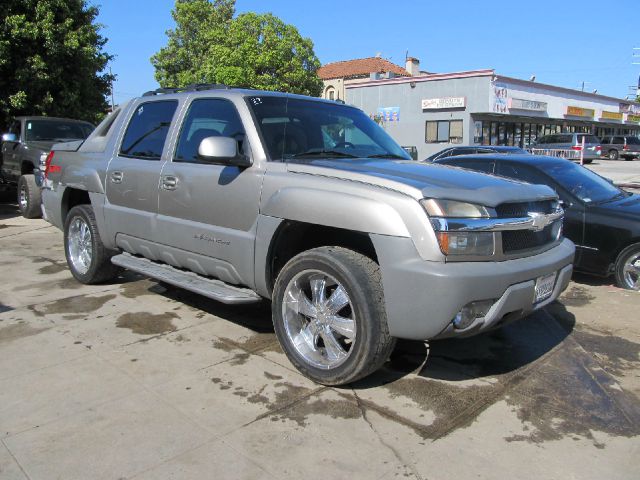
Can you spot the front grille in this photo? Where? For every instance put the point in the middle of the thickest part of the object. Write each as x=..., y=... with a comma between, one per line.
x=517, y=210
x=516, y=240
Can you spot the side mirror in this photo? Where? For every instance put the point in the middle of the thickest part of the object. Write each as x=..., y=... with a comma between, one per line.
x=222, y=150
x=9, y=137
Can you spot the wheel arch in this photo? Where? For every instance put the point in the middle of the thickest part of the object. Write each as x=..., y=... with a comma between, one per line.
x=293, y=237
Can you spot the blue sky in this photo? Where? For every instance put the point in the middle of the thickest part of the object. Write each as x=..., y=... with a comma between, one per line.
x=562, y=42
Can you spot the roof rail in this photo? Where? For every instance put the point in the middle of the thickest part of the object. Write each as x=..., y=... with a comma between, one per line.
x=194, y=87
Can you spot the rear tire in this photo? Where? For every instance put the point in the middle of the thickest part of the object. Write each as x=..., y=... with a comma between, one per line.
x=29, y=197
x=613, y=154
x=329, y=315
x=88, y=259
x=627, y=268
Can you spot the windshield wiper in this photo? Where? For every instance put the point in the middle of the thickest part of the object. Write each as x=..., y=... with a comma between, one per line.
x=319, y=152
x=387, y=155
x=615, y=197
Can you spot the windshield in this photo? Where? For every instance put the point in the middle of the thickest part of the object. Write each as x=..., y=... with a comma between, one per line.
x=583, y=183
x=297, y=128
x=56, y=130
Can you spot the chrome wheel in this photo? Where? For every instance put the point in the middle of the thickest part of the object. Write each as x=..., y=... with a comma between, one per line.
x=23, y=198
x=319, y=319
x=631, y=271
x=80, y=245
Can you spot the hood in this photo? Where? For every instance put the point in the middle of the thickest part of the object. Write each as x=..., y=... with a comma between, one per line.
x=627, y=207
x=426, y=180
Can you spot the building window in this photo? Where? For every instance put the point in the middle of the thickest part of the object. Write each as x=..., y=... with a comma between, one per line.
x=330, y=93
x=443, y=131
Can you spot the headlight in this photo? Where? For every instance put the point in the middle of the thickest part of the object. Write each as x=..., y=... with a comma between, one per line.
x=453, y=208
x=466, y=243
x=460, y=243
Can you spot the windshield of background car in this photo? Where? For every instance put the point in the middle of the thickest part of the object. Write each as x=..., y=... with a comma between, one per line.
x=298, y=128
x=50, y=130
x=581, y=182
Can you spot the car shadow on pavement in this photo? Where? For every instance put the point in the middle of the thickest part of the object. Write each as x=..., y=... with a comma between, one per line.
x=488, y=356
x=592, y=280
x=8, y=206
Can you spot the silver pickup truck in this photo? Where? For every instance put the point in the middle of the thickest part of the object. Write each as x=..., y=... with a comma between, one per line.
x=243, y=195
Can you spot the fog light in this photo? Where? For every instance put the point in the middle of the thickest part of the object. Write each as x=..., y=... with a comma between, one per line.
x=470, y=312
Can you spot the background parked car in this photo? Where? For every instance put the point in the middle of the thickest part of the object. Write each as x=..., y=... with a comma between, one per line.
x=27, y=140
x=453, y=151
x=572, y=141
x=615, y=146
x=602, y=220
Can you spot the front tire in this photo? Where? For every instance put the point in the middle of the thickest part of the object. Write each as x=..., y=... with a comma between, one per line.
x=627, y=268
x=329, y=315
x=88, y=259
x=29, y=197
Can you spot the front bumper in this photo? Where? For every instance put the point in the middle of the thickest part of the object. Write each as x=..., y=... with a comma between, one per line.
x=422, y=298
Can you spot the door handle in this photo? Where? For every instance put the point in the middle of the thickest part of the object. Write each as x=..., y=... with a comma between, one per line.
x=169, y=182
x=116, y=177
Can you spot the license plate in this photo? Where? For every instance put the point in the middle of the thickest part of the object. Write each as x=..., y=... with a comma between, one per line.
x=544, y=286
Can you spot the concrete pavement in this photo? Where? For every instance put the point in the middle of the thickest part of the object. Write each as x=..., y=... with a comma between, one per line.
x=625, y=173
x=133, y=380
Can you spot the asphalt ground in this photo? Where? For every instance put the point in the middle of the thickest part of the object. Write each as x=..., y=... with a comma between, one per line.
x=135, y=380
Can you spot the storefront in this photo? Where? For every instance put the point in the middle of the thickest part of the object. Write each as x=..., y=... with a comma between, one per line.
x=433, y=112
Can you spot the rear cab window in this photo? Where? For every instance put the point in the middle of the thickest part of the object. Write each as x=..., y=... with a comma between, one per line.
x=147, y=130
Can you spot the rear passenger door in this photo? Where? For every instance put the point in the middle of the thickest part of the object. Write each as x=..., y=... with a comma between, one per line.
x=208, y=211
x=133, y=177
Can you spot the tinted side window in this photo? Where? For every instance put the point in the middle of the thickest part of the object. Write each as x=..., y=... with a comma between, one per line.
x=15, y=128
x=147, y=130
x=485, y=166
x=618, y=140
x=207, y=117
x=523, y=173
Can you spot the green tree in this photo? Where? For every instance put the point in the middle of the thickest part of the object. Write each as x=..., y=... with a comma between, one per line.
x=51, y=59
x=252, y=50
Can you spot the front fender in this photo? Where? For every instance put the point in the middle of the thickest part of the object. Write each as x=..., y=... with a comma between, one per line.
x=335, y=209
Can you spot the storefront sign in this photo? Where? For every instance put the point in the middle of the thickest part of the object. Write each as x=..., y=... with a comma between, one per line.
x=389, y=114
x=580, y=112
x=611, y=115
x=500, y=93
x=522, y=104
x=633, y=118
x=445, y=102
x=631, y=108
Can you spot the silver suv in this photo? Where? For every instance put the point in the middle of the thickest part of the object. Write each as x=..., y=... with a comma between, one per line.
x=243, y=195
x=616, y=146
x=572, y=143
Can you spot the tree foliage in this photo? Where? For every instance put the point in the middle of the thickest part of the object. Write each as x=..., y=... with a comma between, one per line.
x=251, y=50
x=51, y=59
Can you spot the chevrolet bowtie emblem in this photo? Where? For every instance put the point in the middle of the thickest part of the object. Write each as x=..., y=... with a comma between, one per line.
x=539, y=221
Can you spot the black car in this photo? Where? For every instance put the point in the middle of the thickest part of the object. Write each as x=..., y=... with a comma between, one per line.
x=455, y=151
x=602, y=220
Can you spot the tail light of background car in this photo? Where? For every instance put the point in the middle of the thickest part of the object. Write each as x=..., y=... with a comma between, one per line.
x=576, y=148
x=47, y=163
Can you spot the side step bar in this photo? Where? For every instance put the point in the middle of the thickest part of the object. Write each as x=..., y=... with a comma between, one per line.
x=214, y=289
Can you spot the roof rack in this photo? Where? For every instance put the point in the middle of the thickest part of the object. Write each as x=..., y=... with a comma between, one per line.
x=194, y=87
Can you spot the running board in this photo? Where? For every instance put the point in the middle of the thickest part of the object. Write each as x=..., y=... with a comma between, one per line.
x=214, y=289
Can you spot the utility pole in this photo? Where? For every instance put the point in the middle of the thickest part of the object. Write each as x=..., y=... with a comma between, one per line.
x=113, y=105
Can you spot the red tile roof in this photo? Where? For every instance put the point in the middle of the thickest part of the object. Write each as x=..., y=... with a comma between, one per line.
x=360, y=67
